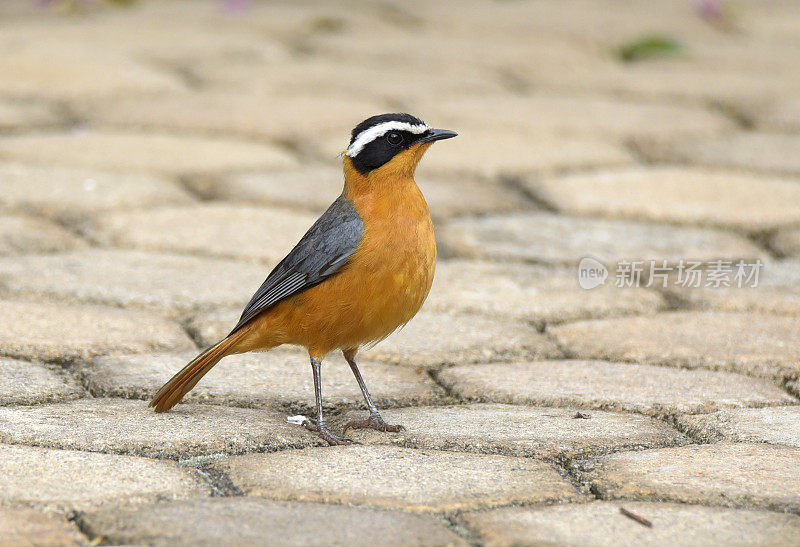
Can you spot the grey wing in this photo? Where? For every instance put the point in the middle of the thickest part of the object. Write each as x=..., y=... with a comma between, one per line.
x=325, y=248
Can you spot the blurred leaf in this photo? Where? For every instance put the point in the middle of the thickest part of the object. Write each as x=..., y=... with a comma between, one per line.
x=648, y=47
x=326, y=24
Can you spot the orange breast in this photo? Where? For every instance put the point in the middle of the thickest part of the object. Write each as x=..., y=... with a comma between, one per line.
x=382, y=287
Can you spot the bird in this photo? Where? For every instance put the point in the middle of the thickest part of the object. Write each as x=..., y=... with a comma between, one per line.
x=362, y=270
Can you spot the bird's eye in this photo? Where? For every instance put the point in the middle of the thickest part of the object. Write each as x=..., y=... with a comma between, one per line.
x=394, y=138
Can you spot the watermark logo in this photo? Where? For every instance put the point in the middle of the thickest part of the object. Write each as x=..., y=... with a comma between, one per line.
x=693, y=274
x=591, y=273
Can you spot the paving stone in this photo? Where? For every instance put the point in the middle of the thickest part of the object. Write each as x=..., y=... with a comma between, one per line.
x=280, y=378
x=776, y=425
x=25, y=114
x=26, y=383
x=601, y=523
x=675, y=81
x=678, y=195
x=498, y=152
x=776, y=22
x=756, y=151
x=546, y=237
x=30, y=527
x=429, y=339
x=783, y=116
x=167, y=283
x=494, y=153
x=415, y=480
x=73, y=74
x=240, y=231
x=60, y=331
x=610, y=386
x=23, y=234
x=787, y=242
x=529, y=292
x=518, y=430
x=67, y=479
x=15, y=8
x=777, y=291
x=504, y=26
x=755, y=343
x=310, y=187
x=584, y=115
x=209, y=327
x=70, y=194
x=432, y=338
x=732, y=475
x=449, y=196
x=121, y=426
x=165, y=39
x=595, y=22
x=321, y=79
x=314, y=188
x=137, y=151
x=757, y=57
x=295, y=117
x=252, y=521
x=458, y=53
x=709, y=68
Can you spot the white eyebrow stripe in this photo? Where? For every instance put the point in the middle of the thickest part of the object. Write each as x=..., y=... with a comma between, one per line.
x=369, y=135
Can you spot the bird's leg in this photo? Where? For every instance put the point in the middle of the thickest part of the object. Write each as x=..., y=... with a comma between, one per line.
x=319, y=425
x=374, y=421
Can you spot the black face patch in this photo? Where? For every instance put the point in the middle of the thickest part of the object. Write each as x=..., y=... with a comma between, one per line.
x=384, y=147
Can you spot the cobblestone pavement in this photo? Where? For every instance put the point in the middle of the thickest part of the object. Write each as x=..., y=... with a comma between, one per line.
x=157, y=159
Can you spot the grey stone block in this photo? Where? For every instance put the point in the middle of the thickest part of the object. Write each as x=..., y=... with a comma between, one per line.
x=69, y=480
x=380, y=476
x=755, y=343
x=252, y=521
x=119, y=426
x=601, y=523
x=66, y=332
x=518, y=430
x=25, y=383
x=732, y=475
x=610, y=386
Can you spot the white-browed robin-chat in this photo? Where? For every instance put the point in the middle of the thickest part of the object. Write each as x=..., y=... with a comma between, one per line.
x=361, y=271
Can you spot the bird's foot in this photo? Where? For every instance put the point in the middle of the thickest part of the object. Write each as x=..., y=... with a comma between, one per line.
x=325, y=433
x=374, y=422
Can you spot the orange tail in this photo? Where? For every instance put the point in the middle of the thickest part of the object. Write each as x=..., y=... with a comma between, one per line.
x=183, y=382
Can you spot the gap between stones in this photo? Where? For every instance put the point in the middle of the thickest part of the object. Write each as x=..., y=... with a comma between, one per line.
x=461, y=530
x=221, y=484
x=640, y=156
x=182, y=71
x=764, y=238
x=734, y=114
x=77, y=518
x=65, y=114
x=514, y=183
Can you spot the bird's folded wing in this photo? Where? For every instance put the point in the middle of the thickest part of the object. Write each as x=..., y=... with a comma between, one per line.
x=323, y=250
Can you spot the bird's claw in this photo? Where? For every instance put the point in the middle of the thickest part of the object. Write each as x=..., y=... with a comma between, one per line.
x=373, y=422
x=325, y=433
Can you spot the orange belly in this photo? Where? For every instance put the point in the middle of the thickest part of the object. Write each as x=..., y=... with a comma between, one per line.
x=381, y=288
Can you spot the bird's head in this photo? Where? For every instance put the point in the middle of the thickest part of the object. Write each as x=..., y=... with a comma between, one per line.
x=391, y=144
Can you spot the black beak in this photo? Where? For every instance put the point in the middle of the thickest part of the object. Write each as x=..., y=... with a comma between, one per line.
x=437, y=135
